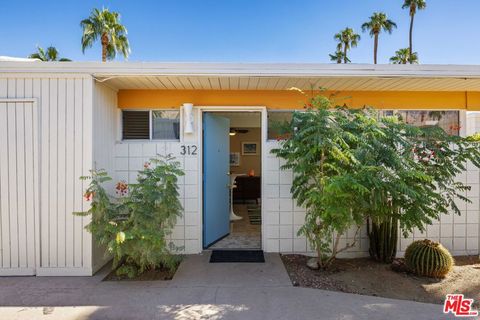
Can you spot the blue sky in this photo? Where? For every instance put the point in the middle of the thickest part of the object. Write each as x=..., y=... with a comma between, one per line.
x=447, y=32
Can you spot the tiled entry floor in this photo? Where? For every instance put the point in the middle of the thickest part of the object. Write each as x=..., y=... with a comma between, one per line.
x=243, y=235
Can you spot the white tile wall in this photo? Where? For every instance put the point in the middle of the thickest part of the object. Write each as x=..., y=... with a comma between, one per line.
x=283, y=217
x=131, y=156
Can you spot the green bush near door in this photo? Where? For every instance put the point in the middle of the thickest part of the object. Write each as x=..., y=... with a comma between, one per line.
x=134, y=227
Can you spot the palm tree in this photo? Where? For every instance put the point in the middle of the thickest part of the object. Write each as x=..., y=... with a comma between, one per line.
x=51, y=54
x=347, y=39
x=413, y=6
x=402, y=56
x=337, y=56
x=378, y=22
x=106, y=26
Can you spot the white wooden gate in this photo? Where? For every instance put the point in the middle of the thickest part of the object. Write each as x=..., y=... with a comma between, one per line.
x=18, y=186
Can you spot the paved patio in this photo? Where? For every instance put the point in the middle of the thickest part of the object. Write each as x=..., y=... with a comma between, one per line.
x=199, y=291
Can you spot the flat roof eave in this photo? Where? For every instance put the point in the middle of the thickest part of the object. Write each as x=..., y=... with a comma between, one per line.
x=258, y=76
x=100, y=69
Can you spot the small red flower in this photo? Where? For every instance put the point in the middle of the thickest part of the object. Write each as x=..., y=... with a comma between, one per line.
x=89, y=195
x=122, y=188
x=146, y=165
x=308, y=105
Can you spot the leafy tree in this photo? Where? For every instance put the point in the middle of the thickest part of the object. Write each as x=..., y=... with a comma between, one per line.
x=321, y=155
x=347, y=39
x=378, y=22
x=413, y=6
x=350, y=167
x=106, y=26
x=135, y=227
x=51, y=54
x=424, y=163
x=402, y=56
x=338, y=56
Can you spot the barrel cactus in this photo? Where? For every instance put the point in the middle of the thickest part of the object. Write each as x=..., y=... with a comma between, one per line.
x=428, y=258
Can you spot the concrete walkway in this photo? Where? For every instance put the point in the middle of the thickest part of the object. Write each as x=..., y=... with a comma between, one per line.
x=199, y=291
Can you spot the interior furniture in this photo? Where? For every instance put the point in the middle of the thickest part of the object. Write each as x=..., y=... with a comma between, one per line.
x=247, y=189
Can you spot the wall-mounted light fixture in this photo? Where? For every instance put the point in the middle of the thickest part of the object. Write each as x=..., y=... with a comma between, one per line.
x=188, y=116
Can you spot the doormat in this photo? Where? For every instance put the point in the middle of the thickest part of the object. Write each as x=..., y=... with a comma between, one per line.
x=255, y=217
x=237, y=256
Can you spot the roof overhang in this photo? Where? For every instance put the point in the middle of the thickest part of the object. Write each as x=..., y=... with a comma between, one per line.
x=263, y=76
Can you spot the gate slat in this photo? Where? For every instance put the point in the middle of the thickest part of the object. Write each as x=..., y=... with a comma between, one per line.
x=21, y=183
x=53, y=172
x=4, y=198
x=61, y=172
x=44, y=172
x=72, y=155
x=30, y=187
x=12, y=184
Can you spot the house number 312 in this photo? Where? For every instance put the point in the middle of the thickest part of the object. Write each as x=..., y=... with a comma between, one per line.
x=188, y=150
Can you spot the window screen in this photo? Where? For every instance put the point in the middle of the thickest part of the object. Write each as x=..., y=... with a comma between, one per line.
x=275, y=121
x=447, y=120
x=135, y=125
x=166, y=125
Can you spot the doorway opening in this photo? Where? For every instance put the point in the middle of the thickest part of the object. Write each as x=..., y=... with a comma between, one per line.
x=232, y=166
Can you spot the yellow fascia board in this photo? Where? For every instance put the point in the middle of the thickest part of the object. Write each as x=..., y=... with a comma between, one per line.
x=291, y=99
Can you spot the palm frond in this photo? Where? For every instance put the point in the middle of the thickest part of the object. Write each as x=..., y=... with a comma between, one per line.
x=378, y=22
x=50, y=54
x=402, y=56
x=107, y=24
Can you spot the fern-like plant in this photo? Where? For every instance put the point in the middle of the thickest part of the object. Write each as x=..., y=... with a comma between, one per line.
x=428, y=258
x=350, y=166
x=328, y=178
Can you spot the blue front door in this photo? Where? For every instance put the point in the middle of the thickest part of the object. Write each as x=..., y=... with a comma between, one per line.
x=216, y=168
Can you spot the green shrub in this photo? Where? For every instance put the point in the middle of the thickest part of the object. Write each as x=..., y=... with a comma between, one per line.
x=351, y=166
x=135, y=226
x=327, y=179
x=428, y=258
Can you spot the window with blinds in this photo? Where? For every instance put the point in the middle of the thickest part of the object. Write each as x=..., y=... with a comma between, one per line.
x=151, y=125
x=135, y=125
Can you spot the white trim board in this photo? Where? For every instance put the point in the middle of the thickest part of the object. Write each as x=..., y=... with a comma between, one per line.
x=64, y=272
x=17, y=272
x=100, y=69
